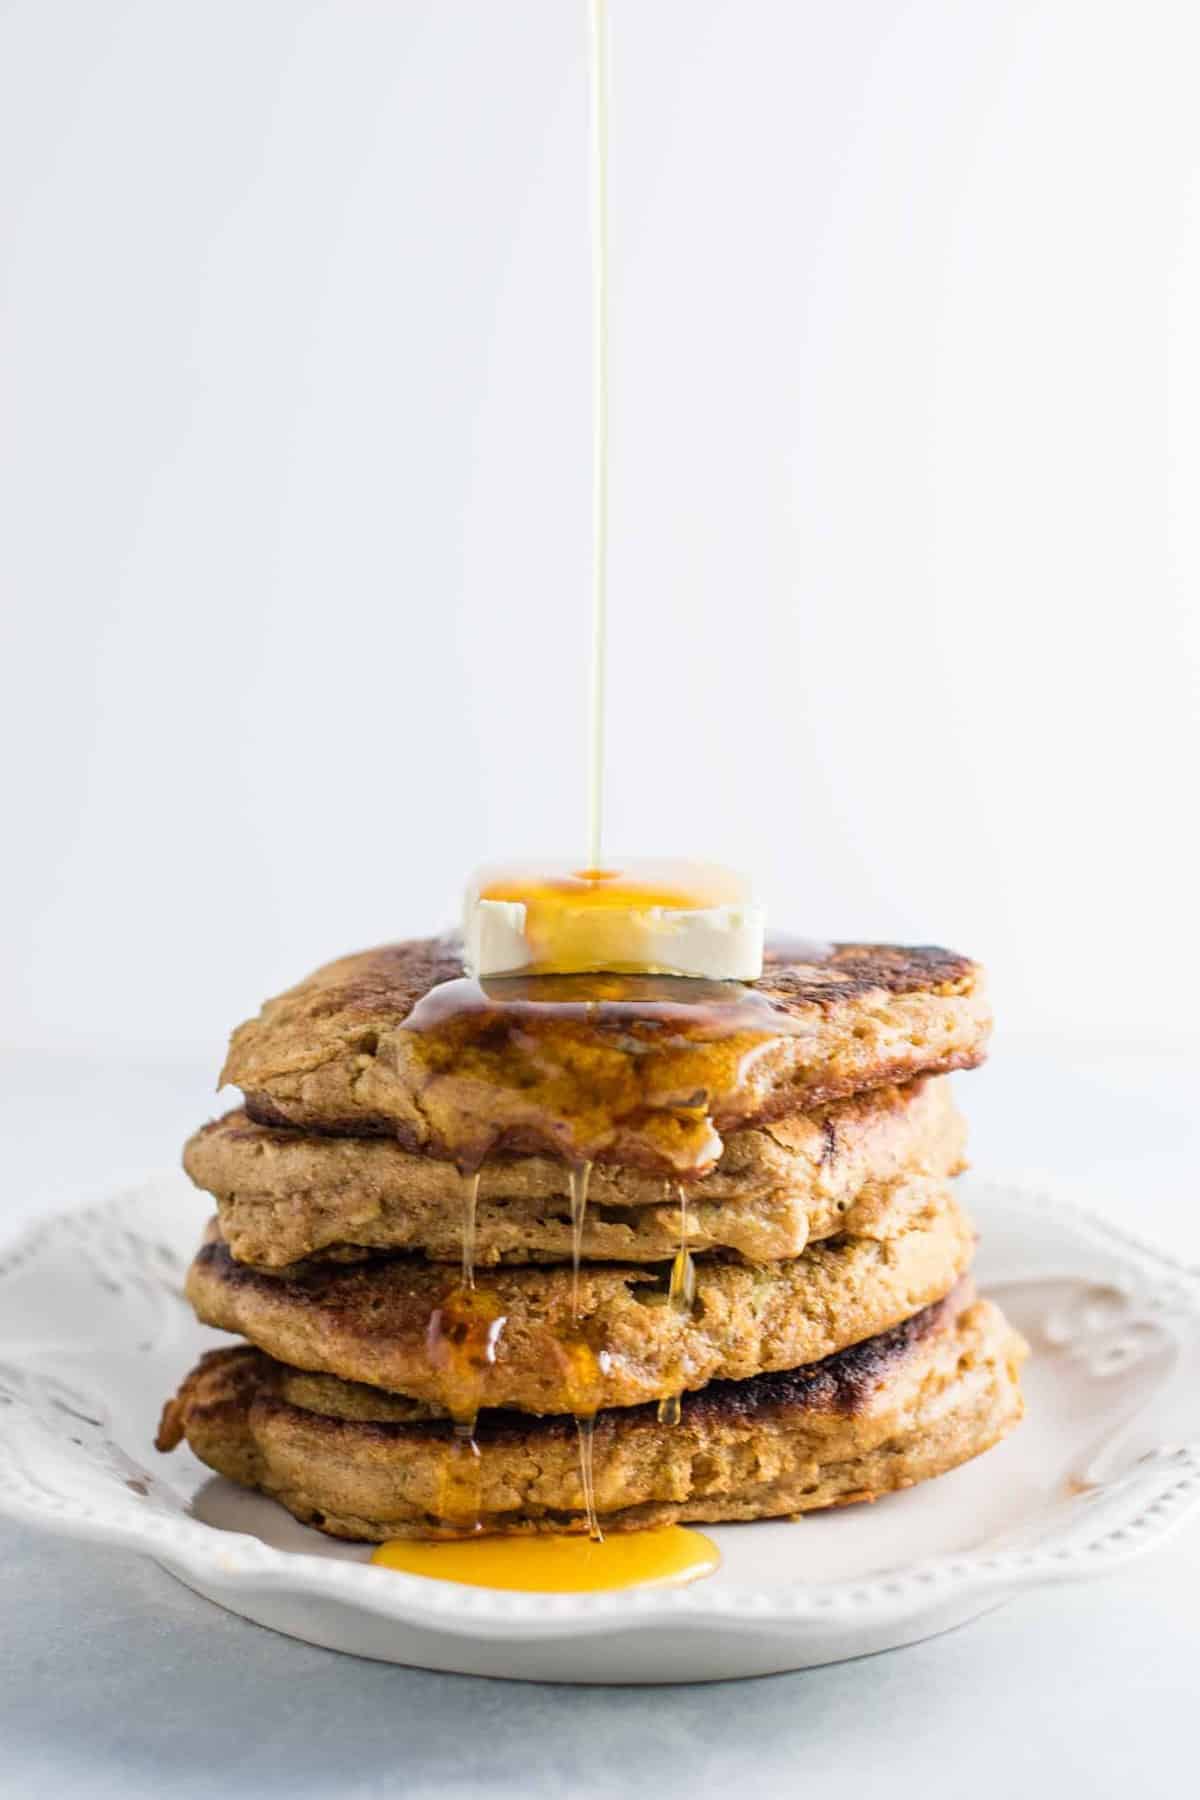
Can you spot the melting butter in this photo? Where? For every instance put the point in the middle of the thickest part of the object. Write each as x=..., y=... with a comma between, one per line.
x=680, y=918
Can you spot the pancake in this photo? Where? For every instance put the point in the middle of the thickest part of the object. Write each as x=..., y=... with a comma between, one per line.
x=909, y=1404
x=514, y=1340
x=642, y=1071
x=860, y=1165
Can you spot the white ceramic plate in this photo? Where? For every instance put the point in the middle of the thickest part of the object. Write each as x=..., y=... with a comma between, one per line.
x=94, y=1334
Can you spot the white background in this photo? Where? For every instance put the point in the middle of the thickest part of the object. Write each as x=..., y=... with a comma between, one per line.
x=294, y=388
x=294, y=489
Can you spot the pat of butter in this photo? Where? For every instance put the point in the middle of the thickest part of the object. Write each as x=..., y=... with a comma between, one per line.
x=642, y=918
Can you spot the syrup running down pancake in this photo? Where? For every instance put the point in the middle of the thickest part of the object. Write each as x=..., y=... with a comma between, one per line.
x=643, y=1071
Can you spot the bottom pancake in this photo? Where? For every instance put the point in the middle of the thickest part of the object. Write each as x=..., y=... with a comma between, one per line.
x=909, y=1404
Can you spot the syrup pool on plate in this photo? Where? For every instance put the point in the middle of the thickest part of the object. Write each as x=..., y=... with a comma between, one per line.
x=664, y=1557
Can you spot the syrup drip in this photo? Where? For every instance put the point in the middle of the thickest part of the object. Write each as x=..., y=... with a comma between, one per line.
x=598, y=72
x=585, y=1425
x=668, y=1555
x=681, y=1295
x=459, y=1487
x=682, y=1291
x=462, y=1338
x=582, y=1367
x=470, y=1204
x=581, y=1174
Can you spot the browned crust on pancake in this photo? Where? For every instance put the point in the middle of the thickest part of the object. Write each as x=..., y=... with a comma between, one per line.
x=922, y=1399
x=333, y=1054
x=859, y=1165
x=375, y=1323
x=843, y=1383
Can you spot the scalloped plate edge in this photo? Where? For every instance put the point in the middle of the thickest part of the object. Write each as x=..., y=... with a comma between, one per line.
x=1155, y=1500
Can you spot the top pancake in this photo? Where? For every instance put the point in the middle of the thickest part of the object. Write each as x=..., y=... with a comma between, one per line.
x=644, y=1072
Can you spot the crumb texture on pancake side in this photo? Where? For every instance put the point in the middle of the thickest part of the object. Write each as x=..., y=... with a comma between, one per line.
x=938, y=1396
x=373, y=1322
x=334, y=1054
x=857, y=1165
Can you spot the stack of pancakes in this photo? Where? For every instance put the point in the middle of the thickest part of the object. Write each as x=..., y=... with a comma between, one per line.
x=714, y=1224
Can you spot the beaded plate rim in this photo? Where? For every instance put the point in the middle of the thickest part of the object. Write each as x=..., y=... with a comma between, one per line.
x=48, y=1479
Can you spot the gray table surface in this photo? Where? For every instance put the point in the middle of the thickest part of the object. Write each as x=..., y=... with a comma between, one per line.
x=114, y=1680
